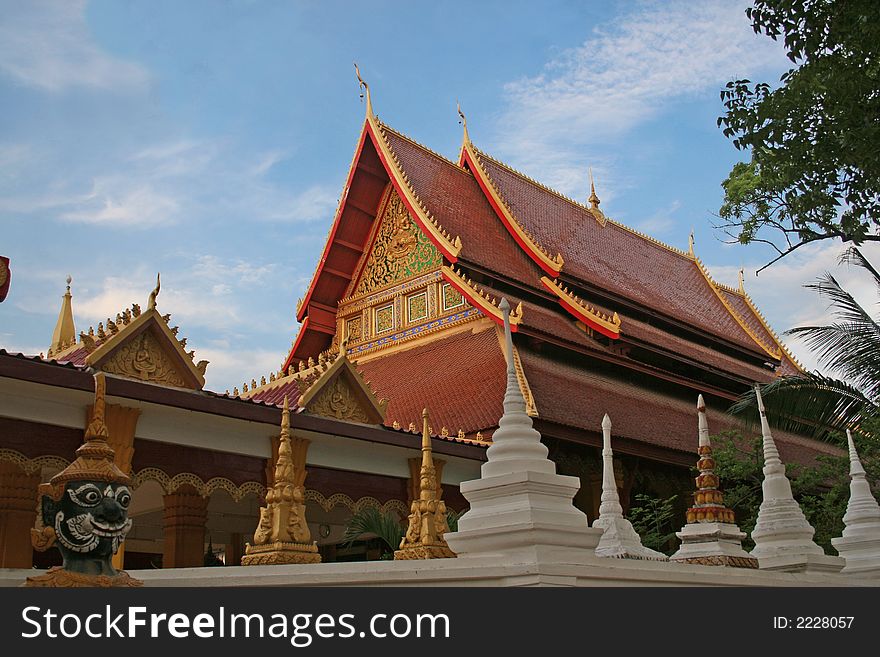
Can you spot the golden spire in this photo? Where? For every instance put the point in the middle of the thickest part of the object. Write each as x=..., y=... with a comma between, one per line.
x=428, y=480
x=594, y=199
x=365, y=90
x=466, y=139
x=65, y=331
x=691, y=244
x=427, y=519
x=151, y=302
x=742, y=283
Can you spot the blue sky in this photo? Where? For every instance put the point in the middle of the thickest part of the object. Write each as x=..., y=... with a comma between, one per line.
x=210, y=141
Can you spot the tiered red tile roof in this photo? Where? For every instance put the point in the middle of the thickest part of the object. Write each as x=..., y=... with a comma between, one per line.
x=677, y=326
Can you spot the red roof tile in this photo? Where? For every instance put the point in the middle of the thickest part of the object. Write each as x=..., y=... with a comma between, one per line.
x=453, y=195
x=636, y=412
x=460, y=379
x=614, y=258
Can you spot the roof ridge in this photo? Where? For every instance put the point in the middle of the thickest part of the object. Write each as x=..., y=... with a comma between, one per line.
x=449, y=246
x=550, y=263
x=601, y=220
x=739, y=320
x=772, y=333
x=418, y=144
x=740, y=292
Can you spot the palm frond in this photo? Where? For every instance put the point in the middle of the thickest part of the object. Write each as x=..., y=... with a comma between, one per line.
x=809, y=404
x=851, y=350
x=371, y=520
x=846, y=308
x=853, y=256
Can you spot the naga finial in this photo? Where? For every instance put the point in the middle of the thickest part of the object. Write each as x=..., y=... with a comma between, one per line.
x=151, y=303
x=365, y=90
x=462, y=120
x=691, y=244
x=742, y=283
x=594, y=199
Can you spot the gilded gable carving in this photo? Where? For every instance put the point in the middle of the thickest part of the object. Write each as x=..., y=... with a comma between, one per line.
x=339, y=400
x=144, y=358
x=400, y=250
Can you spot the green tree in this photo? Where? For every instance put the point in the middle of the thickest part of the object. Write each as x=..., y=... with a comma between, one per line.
x=382, y=524
x=654, y=520
x=814, y=172
x=822, y=406
x=821, y=489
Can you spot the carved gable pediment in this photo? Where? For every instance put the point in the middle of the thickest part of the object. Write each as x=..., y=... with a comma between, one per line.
x=399, y=250
x=341, y=393
x=147, y=350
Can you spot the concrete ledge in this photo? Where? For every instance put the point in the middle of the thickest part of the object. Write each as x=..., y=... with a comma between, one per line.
x=475, y=571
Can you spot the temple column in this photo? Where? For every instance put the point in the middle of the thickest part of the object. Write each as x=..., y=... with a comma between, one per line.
x=234, y=550
x=18, y=512
x=186, y=513
x=121, y=424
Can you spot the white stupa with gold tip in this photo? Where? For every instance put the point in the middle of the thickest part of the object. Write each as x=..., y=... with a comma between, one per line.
x=710, y=536
x=860, y=544
x=520, y=507
x=619, y=538
x=783, y=537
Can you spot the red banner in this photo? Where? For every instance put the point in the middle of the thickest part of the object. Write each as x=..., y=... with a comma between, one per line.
x=5, y=277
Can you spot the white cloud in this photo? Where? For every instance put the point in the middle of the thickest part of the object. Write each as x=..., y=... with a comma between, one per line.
x=779, y=290
x=624, y=74
x=229, y=368
x=312, y=204
x=119, y=202
x=46, y=44
x=661, y=221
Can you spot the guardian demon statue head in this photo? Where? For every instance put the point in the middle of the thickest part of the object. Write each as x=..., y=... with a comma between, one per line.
x=84, y=511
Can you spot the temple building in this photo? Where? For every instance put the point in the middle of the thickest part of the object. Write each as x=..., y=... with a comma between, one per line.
x=605, y=319
x=402, y=313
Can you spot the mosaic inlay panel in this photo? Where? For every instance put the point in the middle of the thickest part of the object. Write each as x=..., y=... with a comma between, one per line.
x=354, y=328
x=417, y=307
x=451, y=297
x=384, y=318
x=400, y=251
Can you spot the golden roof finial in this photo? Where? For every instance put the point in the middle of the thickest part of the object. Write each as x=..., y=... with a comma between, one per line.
x=594, y=199
x=463, y=122
x=742, y=283
x=64, y=334
x=151, y=302
x=365, y=90
x=691, y=244
x=428, y=474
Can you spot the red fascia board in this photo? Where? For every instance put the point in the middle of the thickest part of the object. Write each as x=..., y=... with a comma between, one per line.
x=578, y=314
x=478, y=302
x=479, y=174
x=299, y=338
x=403, y=197
x=305, y=305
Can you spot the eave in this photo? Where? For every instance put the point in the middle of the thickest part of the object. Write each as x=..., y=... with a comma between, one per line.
x=480, y=299
x=608, y=326
x=551, y=265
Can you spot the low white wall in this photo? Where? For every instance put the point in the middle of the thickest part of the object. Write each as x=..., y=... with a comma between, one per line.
x=482, y=571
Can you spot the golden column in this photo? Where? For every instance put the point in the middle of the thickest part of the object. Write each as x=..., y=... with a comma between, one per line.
x=18, y=512
x=121, y=423
x=283, y=535
x=427, y=518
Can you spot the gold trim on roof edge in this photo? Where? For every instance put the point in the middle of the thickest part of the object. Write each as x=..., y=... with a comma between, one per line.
x=583, y=207
x=609, y=322
x=739, y=320
x=554, y=263
x=450, y=246
x=479, y=298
